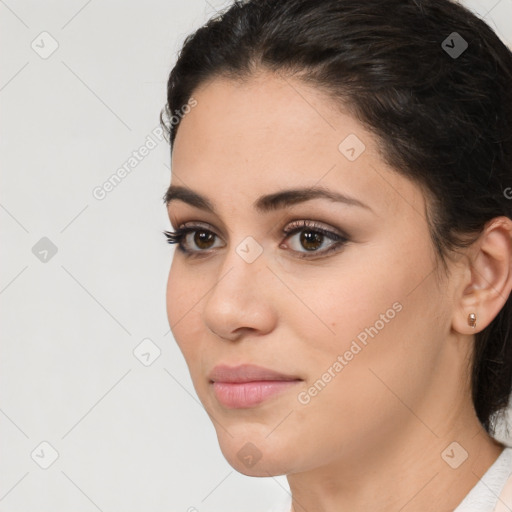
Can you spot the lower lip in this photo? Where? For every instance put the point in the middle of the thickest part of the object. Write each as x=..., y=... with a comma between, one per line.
x=239, y=395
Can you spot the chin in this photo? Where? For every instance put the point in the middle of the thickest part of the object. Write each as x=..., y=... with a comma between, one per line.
x=254, y=455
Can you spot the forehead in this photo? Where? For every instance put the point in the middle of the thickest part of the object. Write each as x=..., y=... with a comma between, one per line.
x=260, y=118
x=246, y=139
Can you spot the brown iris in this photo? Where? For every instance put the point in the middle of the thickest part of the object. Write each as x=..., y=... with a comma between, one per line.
x=203, y=237
x=311, y=240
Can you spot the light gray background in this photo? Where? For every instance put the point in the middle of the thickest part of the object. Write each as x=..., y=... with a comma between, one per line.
x=129, y=435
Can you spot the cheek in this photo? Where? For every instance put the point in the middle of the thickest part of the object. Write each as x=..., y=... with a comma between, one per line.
x=375, y=287
x=360, y=292
x=183, y=298
x=175, y=290
x=381, y=313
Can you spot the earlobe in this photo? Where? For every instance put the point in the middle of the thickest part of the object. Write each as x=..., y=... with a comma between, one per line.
x=488, y=278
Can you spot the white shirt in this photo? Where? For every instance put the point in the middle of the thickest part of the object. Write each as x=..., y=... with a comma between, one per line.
x=483, y=497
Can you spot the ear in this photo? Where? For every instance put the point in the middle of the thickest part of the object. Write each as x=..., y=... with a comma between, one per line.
x=487, y=278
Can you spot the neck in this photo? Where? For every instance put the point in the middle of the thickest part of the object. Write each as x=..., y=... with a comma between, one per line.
x=414, y=472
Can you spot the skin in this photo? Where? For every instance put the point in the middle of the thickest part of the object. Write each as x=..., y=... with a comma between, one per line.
x=377, y=431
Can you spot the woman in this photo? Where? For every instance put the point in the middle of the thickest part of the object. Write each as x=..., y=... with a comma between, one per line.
x=341, y=198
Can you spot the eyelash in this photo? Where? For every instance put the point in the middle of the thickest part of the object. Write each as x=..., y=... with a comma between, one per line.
x=178, y=236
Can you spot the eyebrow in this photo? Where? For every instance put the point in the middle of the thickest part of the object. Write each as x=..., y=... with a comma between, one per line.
x=266, y=203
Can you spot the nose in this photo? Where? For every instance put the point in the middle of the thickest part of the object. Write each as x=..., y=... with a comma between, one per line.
x=240, y=300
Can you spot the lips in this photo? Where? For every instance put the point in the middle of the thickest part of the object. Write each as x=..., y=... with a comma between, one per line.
x=247, y=373
x=244, y=386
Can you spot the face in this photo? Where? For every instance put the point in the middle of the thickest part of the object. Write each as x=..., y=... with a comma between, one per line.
x=335, y=298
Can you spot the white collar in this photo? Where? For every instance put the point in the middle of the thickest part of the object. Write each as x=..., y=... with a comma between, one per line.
x=483, y=497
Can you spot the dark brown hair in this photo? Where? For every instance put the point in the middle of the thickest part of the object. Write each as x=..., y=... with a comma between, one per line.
x=441, y=112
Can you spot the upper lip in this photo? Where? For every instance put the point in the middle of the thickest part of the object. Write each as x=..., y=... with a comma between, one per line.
x=246, y=373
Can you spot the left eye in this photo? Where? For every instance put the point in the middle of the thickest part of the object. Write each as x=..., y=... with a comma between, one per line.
x=312, y=238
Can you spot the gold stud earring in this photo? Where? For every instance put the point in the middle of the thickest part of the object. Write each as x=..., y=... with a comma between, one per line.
x=472, y=320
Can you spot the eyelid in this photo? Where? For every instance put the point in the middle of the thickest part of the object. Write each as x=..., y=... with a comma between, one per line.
x=313, y=225
x=195, y=223
x=303, y=223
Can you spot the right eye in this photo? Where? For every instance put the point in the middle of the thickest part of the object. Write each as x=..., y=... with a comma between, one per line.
x=202, y=238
